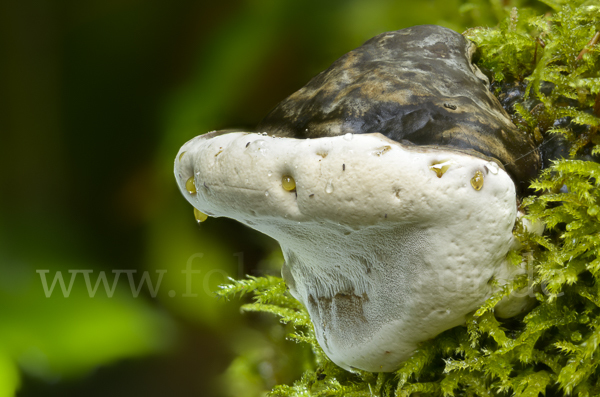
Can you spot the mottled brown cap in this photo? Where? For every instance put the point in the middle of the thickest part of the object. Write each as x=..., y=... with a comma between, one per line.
x=414, y=85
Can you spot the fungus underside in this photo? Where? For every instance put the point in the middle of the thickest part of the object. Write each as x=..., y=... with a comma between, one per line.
x=554, y=348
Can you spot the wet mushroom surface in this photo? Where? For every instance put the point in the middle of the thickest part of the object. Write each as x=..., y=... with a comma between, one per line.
x=390, y=181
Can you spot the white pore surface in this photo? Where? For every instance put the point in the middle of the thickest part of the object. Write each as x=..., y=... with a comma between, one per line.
x=382, y=252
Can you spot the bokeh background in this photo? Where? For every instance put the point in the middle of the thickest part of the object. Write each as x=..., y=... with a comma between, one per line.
x=96, y=97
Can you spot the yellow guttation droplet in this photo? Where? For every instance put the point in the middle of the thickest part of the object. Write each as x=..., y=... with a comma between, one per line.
x=382, y=150
x=477, y=180
x=440, y=168
x=200, y=216
x=181, y=155
x=288, y=183
x=190, y=185
x=537, y=134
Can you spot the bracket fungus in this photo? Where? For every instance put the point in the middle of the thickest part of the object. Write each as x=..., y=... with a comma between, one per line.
x=390, y=181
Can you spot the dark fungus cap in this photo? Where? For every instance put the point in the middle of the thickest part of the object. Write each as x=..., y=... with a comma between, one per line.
x=414, y=85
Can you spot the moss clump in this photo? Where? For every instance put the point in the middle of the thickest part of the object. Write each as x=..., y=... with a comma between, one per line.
x=552, y=63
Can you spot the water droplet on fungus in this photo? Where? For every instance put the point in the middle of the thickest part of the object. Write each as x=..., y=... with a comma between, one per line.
x=477, y=180
x=329, y=187
x=382, y=150
x=493, y=167
x=288, y=183
x=440, y=167
x=190, y=185
x=199, y=215
x=258, y=147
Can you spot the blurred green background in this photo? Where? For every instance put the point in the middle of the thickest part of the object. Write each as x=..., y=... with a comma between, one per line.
x=96, y=97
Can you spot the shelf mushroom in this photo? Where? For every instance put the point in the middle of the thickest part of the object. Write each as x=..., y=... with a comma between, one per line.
x=390, y=181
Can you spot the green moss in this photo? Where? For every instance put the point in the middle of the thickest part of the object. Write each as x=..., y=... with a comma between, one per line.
x=553, y=349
